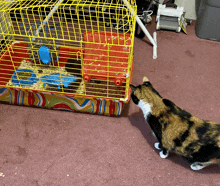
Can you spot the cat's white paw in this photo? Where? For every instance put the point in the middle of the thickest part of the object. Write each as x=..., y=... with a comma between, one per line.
x=197, y=166
x=157, y=145
x=162, y=155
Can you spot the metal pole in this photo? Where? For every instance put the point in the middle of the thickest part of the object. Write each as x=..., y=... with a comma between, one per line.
x=47, y=18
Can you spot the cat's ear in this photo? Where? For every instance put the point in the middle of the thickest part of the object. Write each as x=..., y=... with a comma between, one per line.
x=133, y=88
x=145, y=79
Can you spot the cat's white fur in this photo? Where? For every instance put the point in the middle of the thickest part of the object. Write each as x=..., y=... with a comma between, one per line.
x=145, y=107
x=162, y=155
x=156, y=145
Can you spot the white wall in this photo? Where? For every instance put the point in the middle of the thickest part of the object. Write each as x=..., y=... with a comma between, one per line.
x=189, y=6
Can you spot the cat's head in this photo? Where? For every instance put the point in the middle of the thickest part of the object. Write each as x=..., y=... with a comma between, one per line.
x=144, y=92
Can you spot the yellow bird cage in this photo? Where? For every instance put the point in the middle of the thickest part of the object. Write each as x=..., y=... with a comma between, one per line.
x=75, y=48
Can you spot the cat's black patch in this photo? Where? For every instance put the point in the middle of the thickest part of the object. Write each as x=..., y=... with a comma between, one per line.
x=179, y=141
x=133, y=88
x=160, y=116
x=155, y=126
x=165, y=126
x=217, y=128
x=162, y=121
x=190, y=123
x=185, y=114
x=191, y=147
x=139, y=87
x=171, y=106
x=182, y=114
x=169, y=103
x=201, y=131
x=134, y=98
x=165, y=151
x=206, y=152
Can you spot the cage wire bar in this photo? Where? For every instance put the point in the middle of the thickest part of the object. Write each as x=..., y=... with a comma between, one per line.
x=78, y=47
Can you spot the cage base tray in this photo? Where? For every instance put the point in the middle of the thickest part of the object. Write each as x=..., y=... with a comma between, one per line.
x=61, y=102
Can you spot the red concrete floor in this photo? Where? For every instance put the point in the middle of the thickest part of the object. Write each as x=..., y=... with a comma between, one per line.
x=40, y=147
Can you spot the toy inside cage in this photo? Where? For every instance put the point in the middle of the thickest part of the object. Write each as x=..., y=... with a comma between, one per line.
x=73, y=48
x=42, y=44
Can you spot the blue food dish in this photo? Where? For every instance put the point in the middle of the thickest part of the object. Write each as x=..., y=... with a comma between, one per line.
x=24, y=82
x=54, y=79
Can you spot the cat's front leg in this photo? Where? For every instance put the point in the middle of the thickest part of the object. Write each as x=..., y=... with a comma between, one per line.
x=164, y=153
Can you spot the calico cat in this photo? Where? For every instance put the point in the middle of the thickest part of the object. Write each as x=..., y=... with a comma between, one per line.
x=195, y=139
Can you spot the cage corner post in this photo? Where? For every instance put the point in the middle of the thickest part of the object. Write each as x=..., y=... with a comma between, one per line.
x=152, y=39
